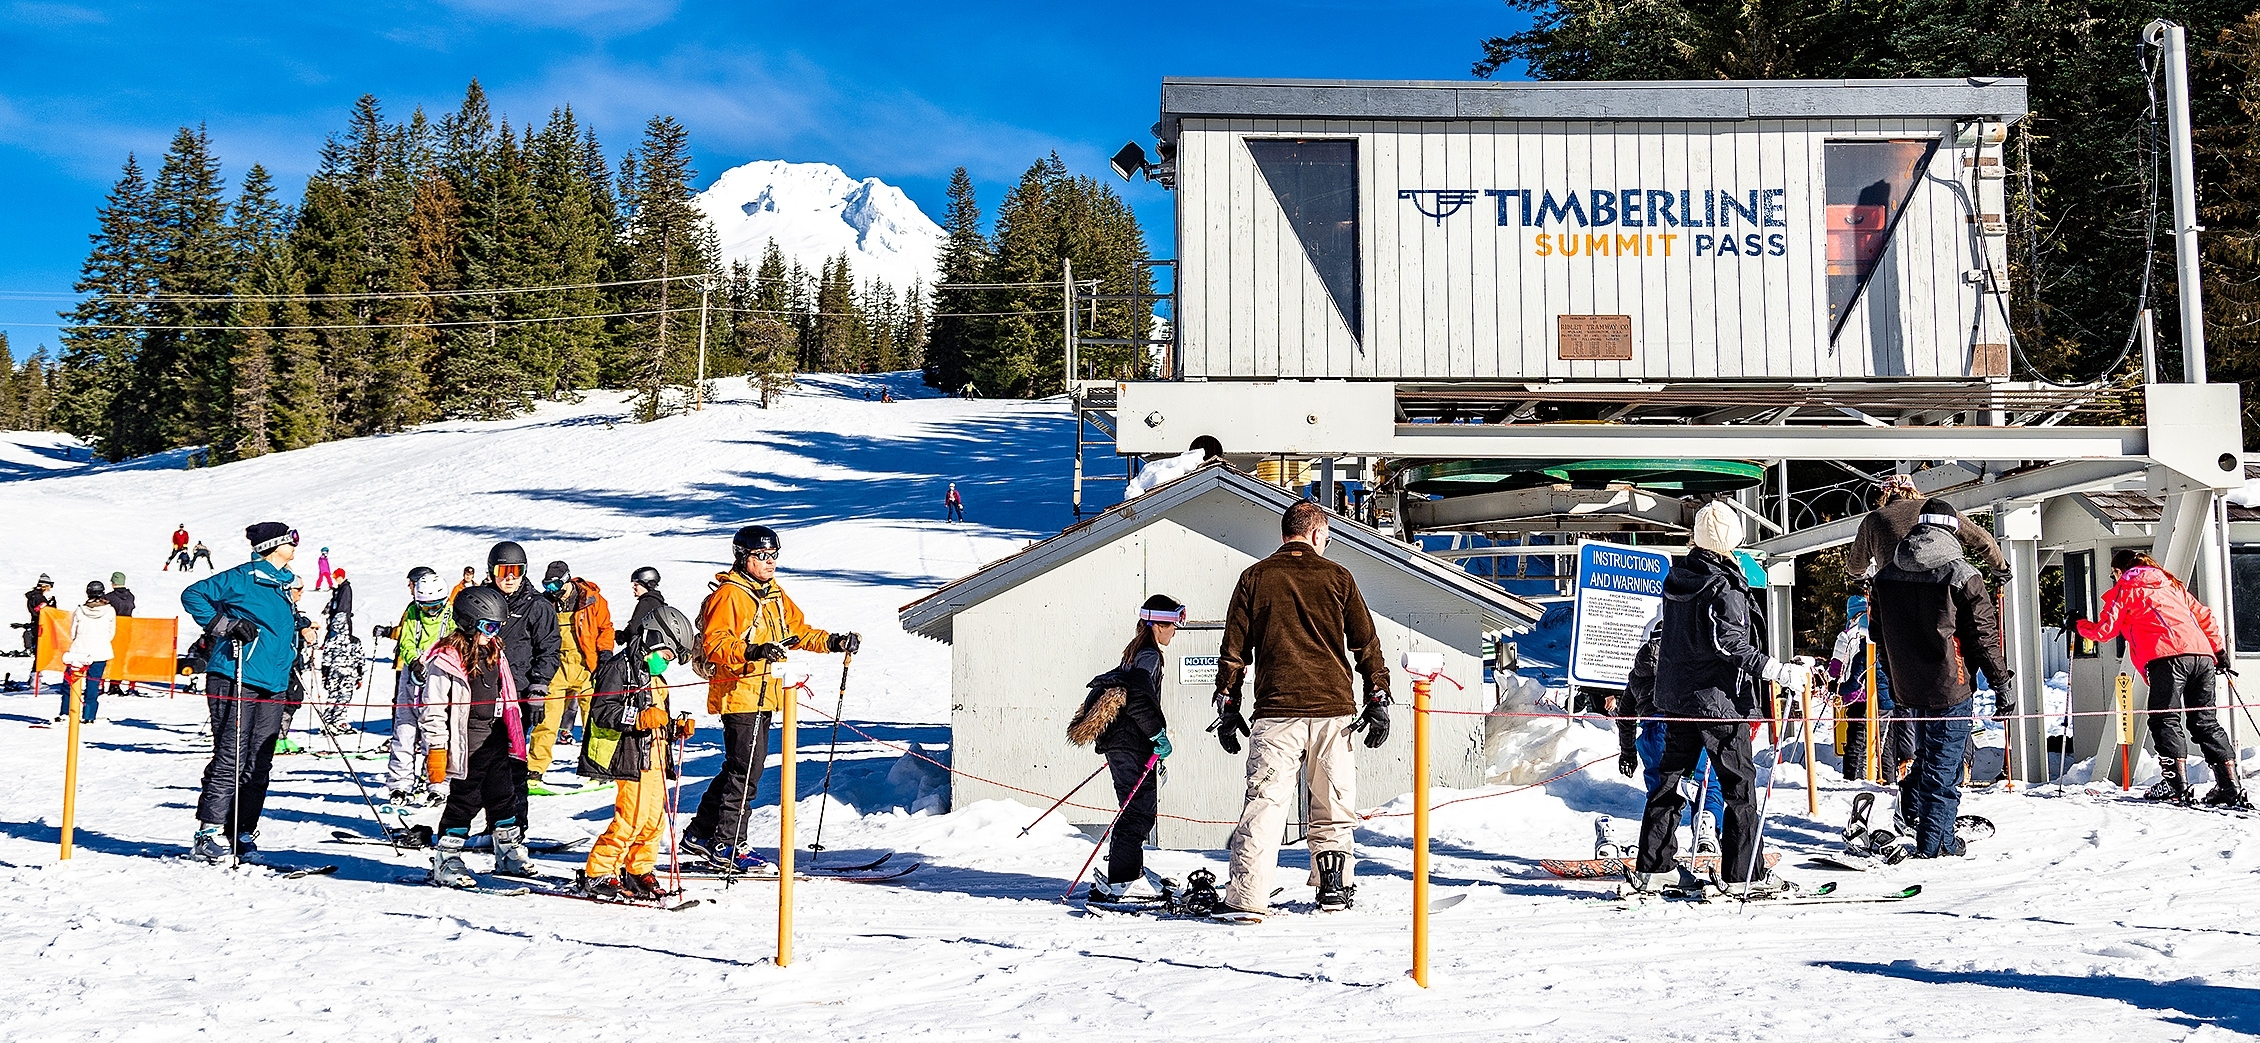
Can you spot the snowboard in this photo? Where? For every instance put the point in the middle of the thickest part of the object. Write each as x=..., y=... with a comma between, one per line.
x=1597, y=868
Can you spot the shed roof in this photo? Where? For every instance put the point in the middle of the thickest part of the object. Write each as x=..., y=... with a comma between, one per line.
x=933, y=614
x=2125, y=508
x=1693, y=100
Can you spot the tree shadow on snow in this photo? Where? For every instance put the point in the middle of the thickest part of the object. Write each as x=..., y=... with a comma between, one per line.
x=2190, y=1005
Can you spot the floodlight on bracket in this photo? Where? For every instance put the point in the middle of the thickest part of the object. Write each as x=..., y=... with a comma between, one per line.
x=1131, y=160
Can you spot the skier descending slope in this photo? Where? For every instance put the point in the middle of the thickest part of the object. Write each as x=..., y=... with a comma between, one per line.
x=422, y=624
x=1934, y=625
x=250, y=621
x=2177, y=648
x=631, y=740
x=1709, y=666
x=1293, y=617
x=474, y=723
x=745, y=625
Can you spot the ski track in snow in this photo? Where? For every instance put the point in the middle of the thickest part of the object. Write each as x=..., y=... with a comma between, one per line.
x=2088, y=913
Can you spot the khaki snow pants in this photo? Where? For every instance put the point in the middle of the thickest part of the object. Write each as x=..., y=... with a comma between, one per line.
x=572, y=682
x=1280, y=750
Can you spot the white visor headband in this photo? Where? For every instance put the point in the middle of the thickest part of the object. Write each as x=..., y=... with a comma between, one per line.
x=1155, y=615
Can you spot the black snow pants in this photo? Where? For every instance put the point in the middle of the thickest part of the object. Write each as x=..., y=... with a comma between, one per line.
x=1126, y=850
x=1729, y=746
x=495, y=781
x=722, y=810
x=243, y=754
x=2185, y=682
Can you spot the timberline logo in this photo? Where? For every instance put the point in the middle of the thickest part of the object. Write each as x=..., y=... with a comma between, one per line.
x=1735, y=221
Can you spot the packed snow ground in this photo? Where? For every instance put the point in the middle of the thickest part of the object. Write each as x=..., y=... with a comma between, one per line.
x=2088, y=914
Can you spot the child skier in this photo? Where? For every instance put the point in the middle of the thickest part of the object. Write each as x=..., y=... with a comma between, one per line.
x=474, y=725
x=322, y=577
x=422, y=624
x=631, y=740
x=1124, y=716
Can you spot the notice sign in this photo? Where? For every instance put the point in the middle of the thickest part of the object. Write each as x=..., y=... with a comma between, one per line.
x=1197, y=670
x=1619, y=591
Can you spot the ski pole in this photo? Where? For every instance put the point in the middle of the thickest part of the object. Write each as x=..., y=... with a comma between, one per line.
x=235, y=793
x=391, y=836
x=1757, y=849
x=816, y=846
x=1055, y=804
x=1133, y=795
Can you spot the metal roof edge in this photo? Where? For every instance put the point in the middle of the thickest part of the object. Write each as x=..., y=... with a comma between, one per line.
x=928, y=616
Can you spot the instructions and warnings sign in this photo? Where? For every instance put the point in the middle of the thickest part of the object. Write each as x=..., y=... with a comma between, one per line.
x=1619, y=591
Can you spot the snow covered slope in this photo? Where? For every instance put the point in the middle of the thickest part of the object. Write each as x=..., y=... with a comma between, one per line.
x=2089, y=914
x=814, y=211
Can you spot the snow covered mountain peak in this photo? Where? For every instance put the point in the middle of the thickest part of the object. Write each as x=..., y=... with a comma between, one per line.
x=814, y=211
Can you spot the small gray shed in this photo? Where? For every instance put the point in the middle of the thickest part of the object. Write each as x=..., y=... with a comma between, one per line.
x=1027, y=632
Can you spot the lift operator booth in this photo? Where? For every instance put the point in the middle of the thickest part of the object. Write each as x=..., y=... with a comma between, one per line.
x=1417, y=273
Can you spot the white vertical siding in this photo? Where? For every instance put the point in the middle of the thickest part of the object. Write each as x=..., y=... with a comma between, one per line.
x=1469, y=298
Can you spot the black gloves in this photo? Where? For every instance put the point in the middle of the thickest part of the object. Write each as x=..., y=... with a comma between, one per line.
x=534, y=711
x=416, y=670
x=2224, y=661
x=2004, y=695
x=226, y=627
x=381, y=631
x=1628, y=763
x=850, y=642
x=1229, y=725
x=1374, y=721
x=767, y=651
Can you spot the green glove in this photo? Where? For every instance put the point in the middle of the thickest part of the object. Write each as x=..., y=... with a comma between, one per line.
x=1161, y=744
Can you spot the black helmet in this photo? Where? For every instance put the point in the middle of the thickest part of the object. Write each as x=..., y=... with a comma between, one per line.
x=668, y=628
x=479, y=603
x=94, y=590
x=647, y=576
x=506, y=553
x=753, y=538
x=419, y=572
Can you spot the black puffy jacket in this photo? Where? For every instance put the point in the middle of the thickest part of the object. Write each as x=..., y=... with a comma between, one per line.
x=1932, y=618
x=1639, y=698
x=615, y=748
x=530, y=640
x=1140, y=718
x=1710, y=662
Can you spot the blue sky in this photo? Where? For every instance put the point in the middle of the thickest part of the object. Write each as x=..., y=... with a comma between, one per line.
x=899, y=91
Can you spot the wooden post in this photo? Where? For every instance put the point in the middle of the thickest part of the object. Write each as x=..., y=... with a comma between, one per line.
x=1875, y=741
x=1812, y=778
x=788, y=794
x=1420, y=831
x=75, y=678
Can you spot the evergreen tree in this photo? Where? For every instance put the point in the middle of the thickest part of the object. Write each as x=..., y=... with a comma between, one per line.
x=760, y=305
x=179, y=383
x=1049, y=218
x=964, y=260
x=665, y=238
x=2232, y=220
x=258, y=248
x=569, y=248
x=102, y=342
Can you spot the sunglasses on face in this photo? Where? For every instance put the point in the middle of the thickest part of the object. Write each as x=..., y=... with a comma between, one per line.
x=763, y=555
x=489, y=627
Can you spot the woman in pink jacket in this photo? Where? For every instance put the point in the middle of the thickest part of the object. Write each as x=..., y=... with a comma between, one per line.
x=2176, y=645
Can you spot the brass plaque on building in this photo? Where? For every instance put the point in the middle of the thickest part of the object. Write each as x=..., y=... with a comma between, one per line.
x=1594, y=338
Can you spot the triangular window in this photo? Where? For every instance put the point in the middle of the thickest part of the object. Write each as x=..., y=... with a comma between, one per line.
x=1316, y=183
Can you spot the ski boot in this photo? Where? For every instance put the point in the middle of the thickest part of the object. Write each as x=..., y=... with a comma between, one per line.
x=731, y=860
x=285, y=745
x=448, y=869
x=646, y=885
x=2227, y=792
x=1335, y=892
x=609, y=888
x=510, y=855
x=1768, y=886
x=1104, y=892
x=211, y=844
x=247, y=849
x=2172, y=787
x=1706, y=834
x=696, y=846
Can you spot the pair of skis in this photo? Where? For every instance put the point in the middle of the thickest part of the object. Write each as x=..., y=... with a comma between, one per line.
x=1827, y=894
x=552, y=887
x=876, y=871
x=419, y=838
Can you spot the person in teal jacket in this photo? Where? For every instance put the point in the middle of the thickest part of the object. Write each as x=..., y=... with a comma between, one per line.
x=247, y=612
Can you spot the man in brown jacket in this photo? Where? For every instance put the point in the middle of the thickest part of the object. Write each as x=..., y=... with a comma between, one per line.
x=1899, y=508
x=1295, y=616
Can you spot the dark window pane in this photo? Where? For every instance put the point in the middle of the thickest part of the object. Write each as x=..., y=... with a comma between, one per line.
x=1316, y=183
x=2244, y=587
x=2079, y=599
x=1869, y=183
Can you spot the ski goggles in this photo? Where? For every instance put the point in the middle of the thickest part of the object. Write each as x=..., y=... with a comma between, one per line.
x=487, y=627
x=553, y=586
x=509, y=571
x=1155, y=615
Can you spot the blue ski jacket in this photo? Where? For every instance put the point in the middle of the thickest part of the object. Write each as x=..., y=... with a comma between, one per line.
x=253, y=590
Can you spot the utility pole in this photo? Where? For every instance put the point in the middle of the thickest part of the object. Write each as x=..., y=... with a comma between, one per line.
x=698, y=390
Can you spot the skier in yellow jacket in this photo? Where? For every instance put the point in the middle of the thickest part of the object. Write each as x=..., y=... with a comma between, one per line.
x=747, y=625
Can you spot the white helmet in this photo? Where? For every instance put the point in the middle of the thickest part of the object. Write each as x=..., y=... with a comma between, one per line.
x=425, y=586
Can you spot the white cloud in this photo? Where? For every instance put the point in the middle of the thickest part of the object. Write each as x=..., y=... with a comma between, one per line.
x=55, y=15
x=593, y=17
